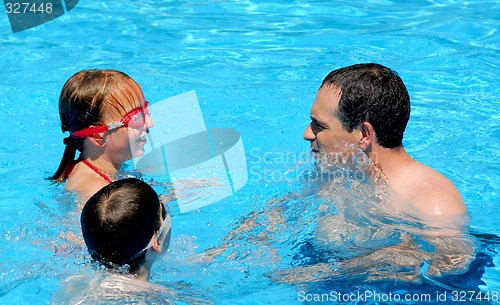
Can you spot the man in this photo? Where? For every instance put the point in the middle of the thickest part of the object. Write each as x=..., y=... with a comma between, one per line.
x=357, y=124
x=367, y=106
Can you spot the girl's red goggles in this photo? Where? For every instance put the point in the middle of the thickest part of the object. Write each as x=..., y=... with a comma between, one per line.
x=134, y=119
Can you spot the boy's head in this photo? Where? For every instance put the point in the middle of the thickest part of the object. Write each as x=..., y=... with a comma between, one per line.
x=122, y=221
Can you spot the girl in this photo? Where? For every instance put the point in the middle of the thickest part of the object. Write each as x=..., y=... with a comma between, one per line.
x=108, y=120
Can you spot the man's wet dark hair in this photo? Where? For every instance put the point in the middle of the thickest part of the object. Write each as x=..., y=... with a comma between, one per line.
x=375, y=94
x=119, y=221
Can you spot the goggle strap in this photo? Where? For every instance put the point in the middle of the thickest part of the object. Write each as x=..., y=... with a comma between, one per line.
x=86, y=132
x=82, y=134
x=165, y=226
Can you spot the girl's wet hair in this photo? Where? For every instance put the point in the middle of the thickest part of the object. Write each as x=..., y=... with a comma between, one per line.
x=92, y=97
x=119, y=221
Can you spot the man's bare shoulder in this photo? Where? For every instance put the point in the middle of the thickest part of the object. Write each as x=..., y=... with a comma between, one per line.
x=429, y=191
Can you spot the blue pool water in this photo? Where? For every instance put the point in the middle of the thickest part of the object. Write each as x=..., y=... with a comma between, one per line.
x=255, y=66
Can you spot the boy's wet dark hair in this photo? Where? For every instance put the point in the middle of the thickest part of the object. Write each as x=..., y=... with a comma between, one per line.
x=119, y=221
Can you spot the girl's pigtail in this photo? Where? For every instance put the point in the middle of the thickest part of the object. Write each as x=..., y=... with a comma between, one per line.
x=67, y=161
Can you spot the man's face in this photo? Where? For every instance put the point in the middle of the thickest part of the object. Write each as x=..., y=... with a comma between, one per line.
x=329, y=141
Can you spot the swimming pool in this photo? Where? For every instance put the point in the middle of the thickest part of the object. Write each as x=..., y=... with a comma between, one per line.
x=255, y=66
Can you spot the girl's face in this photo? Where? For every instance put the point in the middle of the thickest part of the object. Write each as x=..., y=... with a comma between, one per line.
x=127, y=105
x=125, y=143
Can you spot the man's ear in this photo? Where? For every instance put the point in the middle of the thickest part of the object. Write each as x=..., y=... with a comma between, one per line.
x=97, y=139
x=367, y=136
